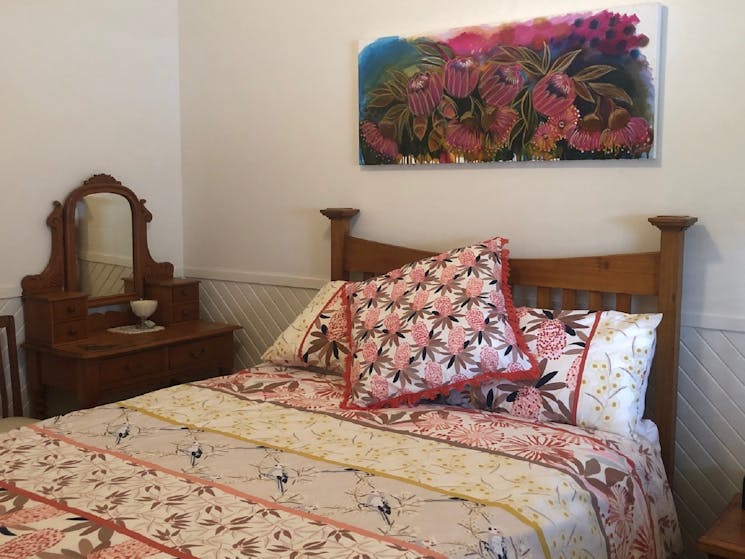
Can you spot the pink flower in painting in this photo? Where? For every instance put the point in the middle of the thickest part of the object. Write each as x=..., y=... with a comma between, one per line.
x=417, y=275
x=565, y=122
x=128, y=549
x=31, y=544
x=474, y=286
x=461, y=76
x=420, y=334
x=433, y=374
x=490, y=361
x=420, y=300
x=586, y=136
x=553, y=94
x=370, y=291
x=378, y=140
x=528, y=403
x=399, y=288
x=371, y=318
x=448, y=274
x=551, y=339
x=496, y=298
x=467, y=258
x=423, y=92
x=500, y=84
x=456, y=339
x=401, y=357
x=337, y=327
x=369, y=352
x=443, y=306
x=624, y=131
x=464, y=136
x=392, y=323
x=545, y=137
x=504, y=120
x=379, y=387
x=475, y=319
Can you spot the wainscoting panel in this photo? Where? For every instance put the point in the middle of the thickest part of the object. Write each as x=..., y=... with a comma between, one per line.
x=710, y=442
x=102, y=278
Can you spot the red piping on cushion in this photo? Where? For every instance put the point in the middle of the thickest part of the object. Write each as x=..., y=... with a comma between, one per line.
x=312, y=322
x=575, y=396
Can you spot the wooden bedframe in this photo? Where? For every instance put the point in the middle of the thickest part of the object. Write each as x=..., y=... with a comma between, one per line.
x=609, y=281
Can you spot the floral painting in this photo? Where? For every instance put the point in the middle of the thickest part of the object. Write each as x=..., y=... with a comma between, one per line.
x=569, y=87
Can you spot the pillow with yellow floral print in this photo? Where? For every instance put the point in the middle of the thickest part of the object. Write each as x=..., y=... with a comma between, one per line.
x=319, y=337
x=594, y=368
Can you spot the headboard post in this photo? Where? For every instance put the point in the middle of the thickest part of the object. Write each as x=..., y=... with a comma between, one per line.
x=340, y=218
x=668, y=334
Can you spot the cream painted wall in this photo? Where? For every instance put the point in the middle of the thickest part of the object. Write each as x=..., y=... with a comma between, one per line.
x=88, y=86
x=269, y=128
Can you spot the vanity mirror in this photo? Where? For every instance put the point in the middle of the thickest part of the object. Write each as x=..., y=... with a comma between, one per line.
x=74, y=310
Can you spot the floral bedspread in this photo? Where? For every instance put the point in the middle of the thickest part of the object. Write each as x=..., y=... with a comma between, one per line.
x=264, y=463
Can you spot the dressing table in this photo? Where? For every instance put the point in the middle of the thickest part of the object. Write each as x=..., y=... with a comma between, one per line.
x=99, y=262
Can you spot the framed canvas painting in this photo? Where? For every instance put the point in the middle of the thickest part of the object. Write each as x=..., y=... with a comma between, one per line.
x=568, y=87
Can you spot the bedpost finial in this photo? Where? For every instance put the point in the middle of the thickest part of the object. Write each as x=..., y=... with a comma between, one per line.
x=340, y=213
x=673, y=221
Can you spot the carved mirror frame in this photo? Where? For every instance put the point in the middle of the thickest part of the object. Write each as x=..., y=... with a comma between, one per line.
x=60, y=273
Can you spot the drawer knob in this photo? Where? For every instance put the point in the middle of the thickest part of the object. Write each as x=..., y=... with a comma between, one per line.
x=71, y=309
x=72, y=331
x=197, y=354
x=184, y=292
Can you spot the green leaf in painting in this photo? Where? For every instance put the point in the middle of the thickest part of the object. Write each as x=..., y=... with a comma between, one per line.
x=583, y=91
x=447, y=107
x=592, y=72
x=432, y=61
x=546, y=57
x=437, y=50
x=434, y=141
x=397, y=90
x=564, y=61
x=380, y=98
x=610, y=90
x=420, y=126
x=534, y=70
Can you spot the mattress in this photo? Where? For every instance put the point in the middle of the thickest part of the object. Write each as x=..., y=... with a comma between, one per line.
x=264, y=463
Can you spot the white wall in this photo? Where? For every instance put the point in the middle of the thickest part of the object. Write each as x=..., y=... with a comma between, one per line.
x=269, y=126
x=88, y=86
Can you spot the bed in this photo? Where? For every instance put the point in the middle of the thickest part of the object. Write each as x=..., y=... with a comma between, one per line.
x=267, y=463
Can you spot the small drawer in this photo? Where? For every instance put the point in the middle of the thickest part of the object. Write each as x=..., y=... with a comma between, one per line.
x=185, y=292
x=70, y=309
x=70, y=331
x=184, y=312
x=120, y=370
x=203, y=353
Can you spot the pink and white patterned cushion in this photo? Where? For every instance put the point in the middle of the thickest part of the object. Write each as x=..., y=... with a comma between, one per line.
x=594, y=368
x=434, y=326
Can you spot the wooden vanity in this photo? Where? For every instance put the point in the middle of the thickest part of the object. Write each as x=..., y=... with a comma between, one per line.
x=68, y=343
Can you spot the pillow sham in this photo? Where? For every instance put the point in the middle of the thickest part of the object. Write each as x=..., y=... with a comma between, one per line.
x=319, y=337
x=434, y=326
x=594, y=368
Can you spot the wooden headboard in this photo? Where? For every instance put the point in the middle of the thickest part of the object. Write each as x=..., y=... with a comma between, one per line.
x=609, y=282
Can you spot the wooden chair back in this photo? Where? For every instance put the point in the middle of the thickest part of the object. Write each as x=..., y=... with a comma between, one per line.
x=10, y=395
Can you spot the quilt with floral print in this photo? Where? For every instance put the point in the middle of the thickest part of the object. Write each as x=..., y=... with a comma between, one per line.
x=265, y=463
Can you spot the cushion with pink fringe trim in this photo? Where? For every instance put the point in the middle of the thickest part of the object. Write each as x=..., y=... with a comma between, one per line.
x=434, y=326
